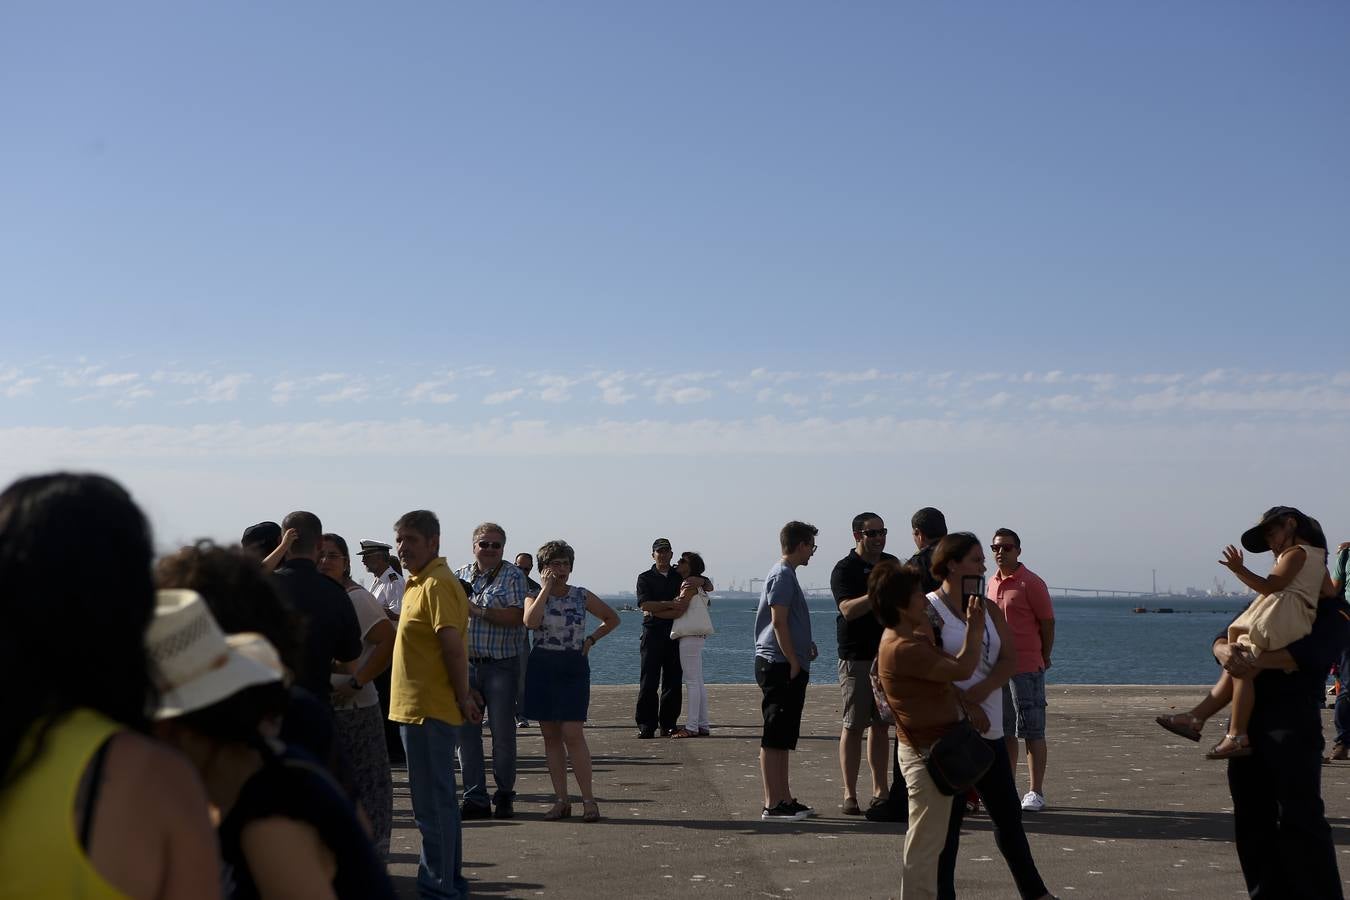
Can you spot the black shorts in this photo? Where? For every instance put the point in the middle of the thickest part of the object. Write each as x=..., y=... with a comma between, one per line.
x=784, y=699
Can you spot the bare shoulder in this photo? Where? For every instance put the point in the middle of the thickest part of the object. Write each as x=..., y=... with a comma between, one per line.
x=156, y=776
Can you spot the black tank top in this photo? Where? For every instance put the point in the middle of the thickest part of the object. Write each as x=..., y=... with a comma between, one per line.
x=295, y=787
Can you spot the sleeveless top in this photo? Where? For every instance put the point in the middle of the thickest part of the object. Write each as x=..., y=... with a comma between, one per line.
x=952, y=636
x=40, y=853
x=293, y=786
x=564, y=624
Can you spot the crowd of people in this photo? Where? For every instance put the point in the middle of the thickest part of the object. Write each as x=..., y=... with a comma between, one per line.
x=267, y=694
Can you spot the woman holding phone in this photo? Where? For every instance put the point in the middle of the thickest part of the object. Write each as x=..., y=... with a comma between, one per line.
x=917, y=678
x=959, y=562
x=558, y=676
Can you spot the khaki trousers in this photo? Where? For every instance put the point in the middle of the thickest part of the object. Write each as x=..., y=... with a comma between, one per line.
x=929, y=812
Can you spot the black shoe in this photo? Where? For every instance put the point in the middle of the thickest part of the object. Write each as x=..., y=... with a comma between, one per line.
x=505, y=809
x=798, y=806
x=667, y=732
x=646, y=734
x=783, y=812
x=886, y=811
x=470, y=811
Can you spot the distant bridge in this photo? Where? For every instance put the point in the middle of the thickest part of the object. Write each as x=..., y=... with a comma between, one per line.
x=818, y=592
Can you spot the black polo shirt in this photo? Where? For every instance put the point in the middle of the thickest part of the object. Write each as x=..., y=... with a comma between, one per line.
x=330, y=629
x=653, y=587
x=924, y=560
x=859, y=638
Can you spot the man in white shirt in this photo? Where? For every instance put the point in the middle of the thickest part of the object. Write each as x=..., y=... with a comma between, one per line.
x=388, y=590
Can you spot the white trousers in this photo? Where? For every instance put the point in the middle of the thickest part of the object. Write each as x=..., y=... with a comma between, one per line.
x=691, y=660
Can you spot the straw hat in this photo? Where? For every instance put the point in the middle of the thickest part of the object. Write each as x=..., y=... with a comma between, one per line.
x=194, y=663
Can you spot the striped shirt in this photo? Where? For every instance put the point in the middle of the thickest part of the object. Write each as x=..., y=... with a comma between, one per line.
x=506, y=590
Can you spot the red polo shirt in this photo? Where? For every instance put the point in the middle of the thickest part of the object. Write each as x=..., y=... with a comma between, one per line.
x=1025, y=601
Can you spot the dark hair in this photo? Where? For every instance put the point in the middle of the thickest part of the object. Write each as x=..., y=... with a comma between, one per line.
x=696, y=566
x=237, y=718
x=929, y=522
x=80, y=637
x=262, y=538
x=556, y=550
x=342, y=546
x=308, y=530
x=1008, y=532
x=422, y=521
x=1309, y=531
x=394, y=563
x=795, y=533
x=861, y=519
x=891, y=587
x=239, y=595
x=952, y=549
x=528, y=556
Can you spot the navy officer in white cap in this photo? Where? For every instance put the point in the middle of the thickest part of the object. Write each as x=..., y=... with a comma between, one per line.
x=388, y=585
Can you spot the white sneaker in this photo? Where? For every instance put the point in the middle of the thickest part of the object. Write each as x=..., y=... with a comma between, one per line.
x=1033, y=802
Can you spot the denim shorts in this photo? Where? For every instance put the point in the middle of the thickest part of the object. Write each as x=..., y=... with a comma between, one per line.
x=1028, y=695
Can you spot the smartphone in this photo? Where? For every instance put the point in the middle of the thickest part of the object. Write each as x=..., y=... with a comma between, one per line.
x=972, y=584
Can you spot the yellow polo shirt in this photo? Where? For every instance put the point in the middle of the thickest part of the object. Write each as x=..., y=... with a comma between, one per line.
x=420, y=686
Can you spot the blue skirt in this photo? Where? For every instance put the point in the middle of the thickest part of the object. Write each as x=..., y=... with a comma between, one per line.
x=557, y=686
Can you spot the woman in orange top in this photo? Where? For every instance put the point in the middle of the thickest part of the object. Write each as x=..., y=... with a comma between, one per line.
x=89, y=806
x=917, y=678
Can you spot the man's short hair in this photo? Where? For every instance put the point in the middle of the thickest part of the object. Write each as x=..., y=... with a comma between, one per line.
x=308, y=531
x=528, y=556
x=422, y=521
x=1009, y=533
x=795, y=533
x=262, y=538
x=929, y=522
x=861, y=519
x=489, y=528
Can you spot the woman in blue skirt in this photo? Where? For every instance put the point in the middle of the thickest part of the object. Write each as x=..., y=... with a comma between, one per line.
x=558, y=677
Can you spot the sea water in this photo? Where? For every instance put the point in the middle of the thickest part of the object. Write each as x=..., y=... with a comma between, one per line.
x=1096, y=642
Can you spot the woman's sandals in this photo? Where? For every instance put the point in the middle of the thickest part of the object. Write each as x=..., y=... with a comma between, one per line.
x=1233, y=746
x=1183, y=725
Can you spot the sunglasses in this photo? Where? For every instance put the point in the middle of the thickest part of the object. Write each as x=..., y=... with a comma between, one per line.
x=874, y=532
x=997, y=547
x=490, y=545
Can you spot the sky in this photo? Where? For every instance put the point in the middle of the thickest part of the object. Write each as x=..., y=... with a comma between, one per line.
x=617, y=271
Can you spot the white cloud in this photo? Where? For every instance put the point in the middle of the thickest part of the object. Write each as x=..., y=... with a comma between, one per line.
x=431, y=392
x=503, y=396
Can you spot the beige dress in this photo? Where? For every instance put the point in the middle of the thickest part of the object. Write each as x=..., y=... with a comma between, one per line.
x=1274, y=621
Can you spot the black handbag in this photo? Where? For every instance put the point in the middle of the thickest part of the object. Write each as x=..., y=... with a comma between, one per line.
x=958, y=759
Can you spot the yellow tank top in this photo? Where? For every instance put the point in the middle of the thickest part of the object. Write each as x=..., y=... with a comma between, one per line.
x=40, y=854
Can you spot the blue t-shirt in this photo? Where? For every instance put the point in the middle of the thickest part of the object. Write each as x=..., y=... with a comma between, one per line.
x=781, y=589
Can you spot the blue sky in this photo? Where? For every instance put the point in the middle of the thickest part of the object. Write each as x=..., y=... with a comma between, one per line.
x=694, y=269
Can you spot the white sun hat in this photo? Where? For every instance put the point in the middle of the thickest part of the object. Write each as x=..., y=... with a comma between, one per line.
x=195, y=665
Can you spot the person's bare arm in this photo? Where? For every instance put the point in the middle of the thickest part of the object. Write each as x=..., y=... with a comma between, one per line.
x=778, y=614
x=287, y=860
x=1004, y=667
x=456, y=659
x=152, y=837
x=277, y=556
x=1286, y=567
x=1047, y=627
x=609, y=620
x=855, y=607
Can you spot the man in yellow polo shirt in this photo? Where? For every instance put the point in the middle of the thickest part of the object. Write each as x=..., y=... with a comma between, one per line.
x=430, y=697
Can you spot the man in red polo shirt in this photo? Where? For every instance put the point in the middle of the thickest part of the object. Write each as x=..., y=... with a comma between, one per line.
x=1025, y=601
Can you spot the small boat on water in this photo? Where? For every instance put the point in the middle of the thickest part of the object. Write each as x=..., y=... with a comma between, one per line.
x=1140, y=609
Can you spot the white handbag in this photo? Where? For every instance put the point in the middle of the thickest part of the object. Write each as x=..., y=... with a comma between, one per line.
x=696, y=622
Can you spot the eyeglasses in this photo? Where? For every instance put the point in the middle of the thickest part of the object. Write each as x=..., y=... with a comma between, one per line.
x=323, y=557
x=490, y=545
x=874, y=532
x=998, y=547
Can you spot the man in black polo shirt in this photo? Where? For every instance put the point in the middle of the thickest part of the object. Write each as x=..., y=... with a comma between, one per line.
x=658, y=704
x=330, y=630
x=859, y=635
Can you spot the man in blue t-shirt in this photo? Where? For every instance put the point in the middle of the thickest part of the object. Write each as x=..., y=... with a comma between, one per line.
x=783, y=654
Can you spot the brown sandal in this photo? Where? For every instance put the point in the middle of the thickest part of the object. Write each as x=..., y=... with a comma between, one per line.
x=684, y=733
x=1183, y=725
x=560, y=810
x=590, y=811
x=1237, y=746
